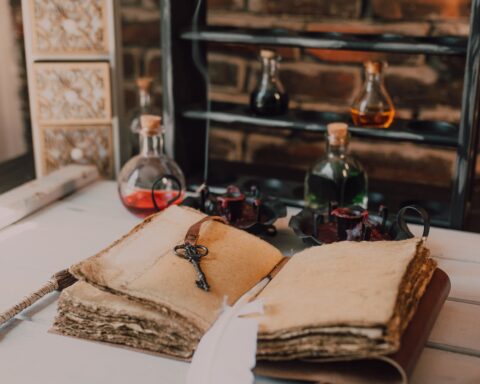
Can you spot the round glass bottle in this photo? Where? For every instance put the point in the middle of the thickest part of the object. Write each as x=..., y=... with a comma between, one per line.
x=145, y=107
x=269, y=97
x=338, y=177
x=150, y=181
x=373, y=107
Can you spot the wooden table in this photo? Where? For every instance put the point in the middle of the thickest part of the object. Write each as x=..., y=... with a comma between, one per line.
x=82, y=224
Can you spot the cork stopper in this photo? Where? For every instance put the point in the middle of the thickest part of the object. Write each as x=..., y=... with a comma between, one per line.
x=374, y=66
x=144, y=83
x=151, y=125
x=267, y=54
x=337, y=133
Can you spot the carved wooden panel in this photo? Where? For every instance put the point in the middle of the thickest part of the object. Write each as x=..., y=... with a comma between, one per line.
x=66, y=144
x=69, y=27
x=72, y=93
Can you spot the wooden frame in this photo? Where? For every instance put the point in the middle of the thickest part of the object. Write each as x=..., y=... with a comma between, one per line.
x=59, y=72
x=68, y=53
x=107, y=171
x=109, y=63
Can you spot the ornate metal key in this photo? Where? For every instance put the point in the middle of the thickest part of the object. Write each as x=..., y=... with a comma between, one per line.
x=193, y=253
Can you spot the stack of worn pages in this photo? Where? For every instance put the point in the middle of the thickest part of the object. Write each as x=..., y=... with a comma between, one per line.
x=347, y=300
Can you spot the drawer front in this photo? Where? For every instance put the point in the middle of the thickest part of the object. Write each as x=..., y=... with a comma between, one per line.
x=68, y=27
x=88, y=144
x=73, y=93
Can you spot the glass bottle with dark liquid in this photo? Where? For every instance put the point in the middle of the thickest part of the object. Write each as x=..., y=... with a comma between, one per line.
x=150, y=181
x=373, y=107
x=269, y=97
x=338, y=177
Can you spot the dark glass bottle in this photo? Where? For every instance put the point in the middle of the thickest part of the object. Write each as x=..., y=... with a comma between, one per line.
x=337, y=177
x=373, y=107
x=269, y=97
x=150, y=181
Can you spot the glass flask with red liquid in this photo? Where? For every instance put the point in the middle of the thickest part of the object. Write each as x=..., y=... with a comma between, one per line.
x=150, y=181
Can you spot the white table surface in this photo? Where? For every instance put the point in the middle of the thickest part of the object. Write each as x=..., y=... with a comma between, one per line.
x=84, y=223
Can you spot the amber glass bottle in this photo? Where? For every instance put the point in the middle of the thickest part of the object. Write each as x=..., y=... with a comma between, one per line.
x=373, y=107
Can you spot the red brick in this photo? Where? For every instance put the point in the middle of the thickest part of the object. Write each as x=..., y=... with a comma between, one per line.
x=252, y=51
x=422, y=87
x=223, y=96
x=363, y=27
x=313, y=8
x=153, y=64
x=130, y=97
x=157, y=98
x=450, y=28
x=251, y=20
x=226, y=4
x=367, y=27
x=144, y=34
x=421, y=9
x=129, y=65
x=361, y=57
x=226, y=144
x=227, y=71
x=440, y=112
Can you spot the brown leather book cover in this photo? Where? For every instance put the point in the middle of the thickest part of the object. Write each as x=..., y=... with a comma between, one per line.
x=395, y=368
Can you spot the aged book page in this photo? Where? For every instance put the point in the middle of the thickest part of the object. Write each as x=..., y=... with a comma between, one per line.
x=343, y=299
x=143, y=267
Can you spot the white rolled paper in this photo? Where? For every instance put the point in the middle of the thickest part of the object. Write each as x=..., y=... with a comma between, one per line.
x=34, y=195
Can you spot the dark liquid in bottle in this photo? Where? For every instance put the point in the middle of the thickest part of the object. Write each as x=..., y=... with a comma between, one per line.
x=140, y=202
x=351, y=190
x=266, y=102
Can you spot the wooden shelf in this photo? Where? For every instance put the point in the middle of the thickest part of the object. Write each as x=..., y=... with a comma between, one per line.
x=420, y=132
x=393, y=43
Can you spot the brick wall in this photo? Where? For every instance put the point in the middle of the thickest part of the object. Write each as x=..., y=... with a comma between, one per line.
x=422, y=87
x=141, y=46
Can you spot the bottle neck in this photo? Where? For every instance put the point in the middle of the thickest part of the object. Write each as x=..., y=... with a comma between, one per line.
x=151, y=145
x=145, y=99
x=336, y=148
x=373, y=79
x=269, y=70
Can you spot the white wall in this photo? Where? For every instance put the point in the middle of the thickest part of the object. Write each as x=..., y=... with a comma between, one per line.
x=12, y=142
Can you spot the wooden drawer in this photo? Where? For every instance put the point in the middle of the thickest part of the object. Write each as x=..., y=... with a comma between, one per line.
x=73, y=93
x=68, y=27
x=80, y=144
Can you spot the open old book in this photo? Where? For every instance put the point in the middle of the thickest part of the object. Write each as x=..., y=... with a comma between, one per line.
x=342, y=301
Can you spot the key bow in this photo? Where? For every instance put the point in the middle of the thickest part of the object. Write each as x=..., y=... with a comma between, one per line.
x=193, y=252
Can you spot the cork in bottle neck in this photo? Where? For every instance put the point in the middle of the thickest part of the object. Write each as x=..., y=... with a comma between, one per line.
x=268, y=54
x=144, y=83
x=374, y=67
x=150, y=125
x=337, y=134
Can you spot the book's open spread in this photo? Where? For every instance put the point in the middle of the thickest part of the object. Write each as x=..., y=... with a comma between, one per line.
x=342, y=301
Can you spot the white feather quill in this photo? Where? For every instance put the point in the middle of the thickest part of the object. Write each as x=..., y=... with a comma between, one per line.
x=226, y=353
